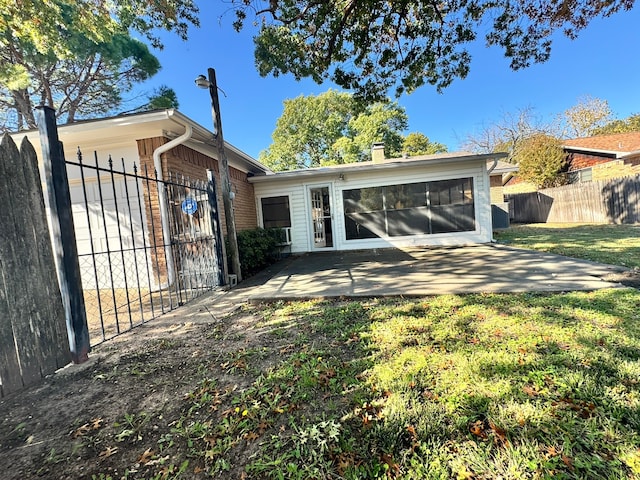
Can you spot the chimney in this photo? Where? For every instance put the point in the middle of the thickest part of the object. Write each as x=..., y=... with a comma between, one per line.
x=377, y=152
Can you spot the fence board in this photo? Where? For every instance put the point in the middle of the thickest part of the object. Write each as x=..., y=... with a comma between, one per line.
x=10, y=375
x=612, y=201
x=32, y=335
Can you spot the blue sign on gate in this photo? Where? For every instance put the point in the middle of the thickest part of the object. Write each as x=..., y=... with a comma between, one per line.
x=189, y=206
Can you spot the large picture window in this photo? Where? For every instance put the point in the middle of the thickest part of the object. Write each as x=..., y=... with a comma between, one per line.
x=275, y=212
x=409, y=209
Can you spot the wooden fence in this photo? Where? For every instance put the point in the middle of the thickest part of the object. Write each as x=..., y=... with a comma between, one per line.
x=33, y=334
x=608, y=201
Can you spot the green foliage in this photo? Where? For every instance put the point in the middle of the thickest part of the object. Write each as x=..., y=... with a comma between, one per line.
x=627, y=125
x=373, y=46
x=258, y=248
x=78, y=57
x=540, y=159
x=307, y=129
x=380, y=122
x=417, y=143
x=162, y=98
x=334, y=128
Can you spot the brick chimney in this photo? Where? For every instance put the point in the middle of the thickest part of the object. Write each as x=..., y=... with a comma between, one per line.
x=377, y=152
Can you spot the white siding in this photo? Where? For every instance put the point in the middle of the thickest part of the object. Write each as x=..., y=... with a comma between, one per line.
x=297, y=190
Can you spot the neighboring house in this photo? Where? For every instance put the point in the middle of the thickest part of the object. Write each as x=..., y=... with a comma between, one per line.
x=441, y=199
x=603, y=157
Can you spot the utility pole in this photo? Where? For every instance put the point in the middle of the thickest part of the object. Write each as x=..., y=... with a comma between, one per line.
x=223, y=164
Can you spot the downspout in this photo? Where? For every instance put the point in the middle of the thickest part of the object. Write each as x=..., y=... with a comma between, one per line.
x=495, y=164
x=162, y=198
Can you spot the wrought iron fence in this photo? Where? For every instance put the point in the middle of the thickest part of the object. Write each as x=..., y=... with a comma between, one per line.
x=146, y=245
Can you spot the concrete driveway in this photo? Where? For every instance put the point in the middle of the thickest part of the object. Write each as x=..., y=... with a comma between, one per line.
x=430, y=271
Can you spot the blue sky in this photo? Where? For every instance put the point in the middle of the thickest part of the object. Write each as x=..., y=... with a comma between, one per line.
x=603, y=62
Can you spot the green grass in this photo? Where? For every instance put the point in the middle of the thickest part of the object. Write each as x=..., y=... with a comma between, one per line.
x=612, y=244
x=469, y=387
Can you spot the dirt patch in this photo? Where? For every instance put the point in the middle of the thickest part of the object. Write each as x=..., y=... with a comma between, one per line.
x=110, y=417
x=628, y=278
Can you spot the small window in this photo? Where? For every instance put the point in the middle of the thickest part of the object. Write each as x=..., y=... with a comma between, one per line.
x=275, y=212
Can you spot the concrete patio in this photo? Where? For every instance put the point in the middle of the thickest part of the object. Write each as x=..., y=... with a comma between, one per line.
x=429, y=271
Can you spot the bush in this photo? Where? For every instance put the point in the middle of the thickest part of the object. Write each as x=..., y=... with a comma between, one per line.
x=258, y=249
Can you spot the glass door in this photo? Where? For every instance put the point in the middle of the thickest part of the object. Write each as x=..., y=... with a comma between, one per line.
x=321, y=217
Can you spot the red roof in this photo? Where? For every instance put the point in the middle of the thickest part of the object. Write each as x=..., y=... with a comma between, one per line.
x=617, y=142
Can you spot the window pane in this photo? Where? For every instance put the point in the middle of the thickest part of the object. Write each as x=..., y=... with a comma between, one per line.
x=452, y=207
x=405, y=196
x=407, y=221
x=275, y=212
x=362, y=200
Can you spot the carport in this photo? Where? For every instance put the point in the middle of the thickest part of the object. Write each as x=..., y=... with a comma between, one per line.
x=430, y=271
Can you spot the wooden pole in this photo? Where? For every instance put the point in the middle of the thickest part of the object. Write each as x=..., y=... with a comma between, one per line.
x=224, y=177
x=65, y=249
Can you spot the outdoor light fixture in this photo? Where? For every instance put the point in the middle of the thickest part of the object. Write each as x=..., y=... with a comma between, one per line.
x=202, y=82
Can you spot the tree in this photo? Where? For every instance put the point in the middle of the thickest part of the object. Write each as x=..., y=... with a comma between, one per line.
x=540, y=159
x=162, y=98
x=506, y=133
x=373, y=46
x=78, y=56
x=307, y=129
x=380, y=122
x=630, y=124
x=584, y=118
x=417, y=143
x=332, y=128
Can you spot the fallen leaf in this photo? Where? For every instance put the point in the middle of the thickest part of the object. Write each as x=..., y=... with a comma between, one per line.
x=146, y=456
x=107, y=452
x=477, y=428
x=567, y=461
x=251, y=436
x=500, y=434
x=96, y=423
x=531, y=391
x=82, y=430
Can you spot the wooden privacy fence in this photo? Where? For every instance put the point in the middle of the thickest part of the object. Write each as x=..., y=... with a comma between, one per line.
x=33, y=335
x=607, y=201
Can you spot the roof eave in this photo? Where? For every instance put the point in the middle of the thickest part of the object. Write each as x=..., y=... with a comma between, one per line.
x=356, y=167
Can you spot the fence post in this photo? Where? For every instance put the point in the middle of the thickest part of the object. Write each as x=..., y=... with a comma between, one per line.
x=63, y=233
x=215, y=223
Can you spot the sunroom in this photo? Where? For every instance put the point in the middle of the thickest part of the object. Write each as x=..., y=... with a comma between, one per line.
x=428, y=200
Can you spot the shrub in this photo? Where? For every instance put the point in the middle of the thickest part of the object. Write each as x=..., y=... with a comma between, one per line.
x=258, y=249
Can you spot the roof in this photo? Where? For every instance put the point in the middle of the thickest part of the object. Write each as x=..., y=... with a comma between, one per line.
x=420, y=160
x=121, y=129
x=503, y=167
x=617, y=145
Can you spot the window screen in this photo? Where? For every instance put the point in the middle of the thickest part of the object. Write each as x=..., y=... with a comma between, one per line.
x=409, y=209
x=275, y=212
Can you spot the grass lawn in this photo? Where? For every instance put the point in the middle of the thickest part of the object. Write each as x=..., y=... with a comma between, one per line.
x=612, y=244
x=478, y=386
x=499, y=386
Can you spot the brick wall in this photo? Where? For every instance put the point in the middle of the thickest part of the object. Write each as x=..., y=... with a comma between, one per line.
x=614, y=169
x=582, y=160
x=193, y=164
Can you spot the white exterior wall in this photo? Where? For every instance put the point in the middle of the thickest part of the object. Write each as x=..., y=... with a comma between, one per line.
x=297, y=189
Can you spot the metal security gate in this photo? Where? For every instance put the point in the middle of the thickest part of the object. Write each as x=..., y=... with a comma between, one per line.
x=146, y=245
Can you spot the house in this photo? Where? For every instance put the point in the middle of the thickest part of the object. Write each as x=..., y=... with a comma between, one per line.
x=441, y=199
x=119, y=219
x=603, y=157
